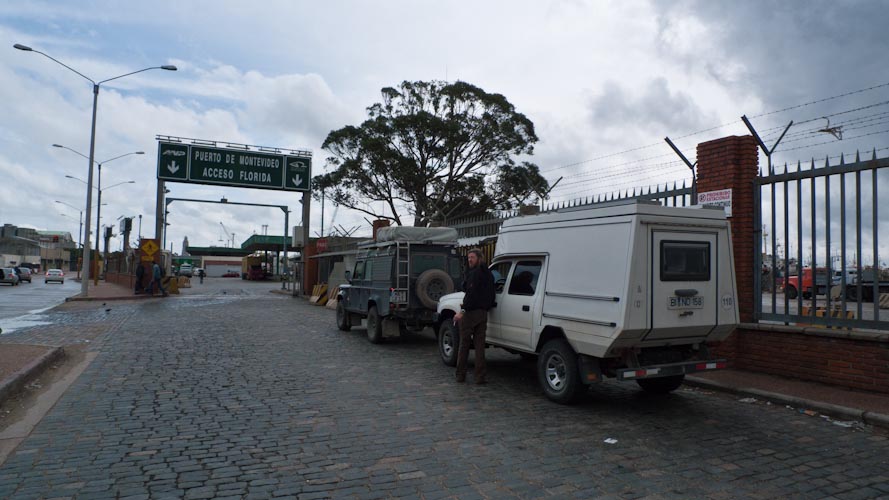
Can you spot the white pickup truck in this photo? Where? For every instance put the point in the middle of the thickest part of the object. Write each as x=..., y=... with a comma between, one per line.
x=632, y=291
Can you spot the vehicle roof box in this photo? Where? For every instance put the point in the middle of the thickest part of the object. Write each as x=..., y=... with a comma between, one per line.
x=435, y=235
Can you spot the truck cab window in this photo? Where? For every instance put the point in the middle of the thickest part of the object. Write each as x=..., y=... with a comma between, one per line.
x=524, y=278
x=500, y=272
x=359, y=271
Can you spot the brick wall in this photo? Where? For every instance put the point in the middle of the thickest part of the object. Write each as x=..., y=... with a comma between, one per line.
x=837, y=357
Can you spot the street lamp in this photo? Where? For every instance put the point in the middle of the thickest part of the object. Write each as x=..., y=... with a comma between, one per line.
x=84, y=289
x=99, y=188
x=80, y=231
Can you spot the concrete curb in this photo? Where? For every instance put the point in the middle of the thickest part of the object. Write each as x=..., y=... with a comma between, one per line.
x=867, y=417
x=17, y=381
x=77, y=298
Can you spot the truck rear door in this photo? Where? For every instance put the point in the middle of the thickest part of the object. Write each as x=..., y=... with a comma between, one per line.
x=683, y=284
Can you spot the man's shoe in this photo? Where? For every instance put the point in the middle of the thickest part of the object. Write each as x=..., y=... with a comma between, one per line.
x=461, y=378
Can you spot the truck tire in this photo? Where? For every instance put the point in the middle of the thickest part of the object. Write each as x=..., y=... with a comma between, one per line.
x=343, y=320
x=790, y=292
x=557, y=372
x=431, y=285
x=662, y=385
x=448, y=342
x=374, y=326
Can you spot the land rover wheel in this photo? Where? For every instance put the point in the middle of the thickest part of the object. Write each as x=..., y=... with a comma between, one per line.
x=662, y=385
x=343, y=321
x=557, y=372
x=431, y=285
x=448, y=342
x=374, y=326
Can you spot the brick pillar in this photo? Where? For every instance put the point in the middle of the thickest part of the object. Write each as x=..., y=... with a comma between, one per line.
x=733, y=163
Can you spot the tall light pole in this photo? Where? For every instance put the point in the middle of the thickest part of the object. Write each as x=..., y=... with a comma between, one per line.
x=80, y=231
x=99, y=189
x=84, y=288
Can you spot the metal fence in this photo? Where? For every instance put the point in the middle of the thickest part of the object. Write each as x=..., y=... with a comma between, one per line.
x=487, y=226
x=831, y=211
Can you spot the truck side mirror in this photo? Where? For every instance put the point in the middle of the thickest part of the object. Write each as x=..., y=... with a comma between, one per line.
x=349, y=276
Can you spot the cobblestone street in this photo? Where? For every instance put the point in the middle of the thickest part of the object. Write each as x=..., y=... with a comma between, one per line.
x=259, y=396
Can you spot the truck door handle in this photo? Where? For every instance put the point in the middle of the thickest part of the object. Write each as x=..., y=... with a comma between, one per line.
x=526, y=308
x=685, y=292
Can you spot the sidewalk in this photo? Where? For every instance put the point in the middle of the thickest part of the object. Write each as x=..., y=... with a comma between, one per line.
x=835, y=401
x=108, y=291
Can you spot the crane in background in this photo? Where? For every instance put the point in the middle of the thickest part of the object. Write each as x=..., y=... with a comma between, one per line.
x=224, y=230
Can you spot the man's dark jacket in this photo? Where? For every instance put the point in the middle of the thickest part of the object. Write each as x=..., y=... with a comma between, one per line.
x=479, y=288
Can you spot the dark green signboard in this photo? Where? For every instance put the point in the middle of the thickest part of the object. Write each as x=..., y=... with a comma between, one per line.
x=231, y=167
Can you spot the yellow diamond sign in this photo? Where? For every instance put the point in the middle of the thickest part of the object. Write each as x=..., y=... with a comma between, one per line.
x=149, y=247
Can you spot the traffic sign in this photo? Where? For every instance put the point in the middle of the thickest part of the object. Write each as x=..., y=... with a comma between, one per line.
x=298, y=173
x=149, y=247
x=233, y=167
x=172, y=161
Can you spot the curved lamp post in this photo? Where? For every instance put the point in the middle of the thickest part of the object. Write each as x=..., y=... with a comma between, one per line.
x=99, y=189
x=84, y=289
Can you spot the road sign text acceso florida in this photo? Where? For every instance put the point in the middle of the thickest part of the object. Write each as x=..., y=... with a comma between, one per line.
x=228, y=167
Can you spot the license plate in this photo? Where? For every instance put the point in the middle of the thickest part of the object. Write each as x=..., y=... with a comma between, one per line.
x=685, y=302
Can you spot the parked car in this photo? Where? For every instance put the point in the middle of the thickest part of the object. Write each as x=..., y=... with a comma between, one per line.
x=8, y=276
x=664, y=290
x=54, y=275
x=398, y=279
x=24, y=274
x=186, y=270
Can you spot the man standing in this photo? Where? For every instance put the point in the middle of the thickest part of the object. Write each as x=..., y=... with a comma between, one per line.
x=156, y=278
x=473, y=315
x=140, y=275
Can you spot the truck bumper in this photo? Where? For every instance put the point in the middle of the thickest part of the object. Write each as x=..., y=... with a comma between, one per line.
x=671, y=369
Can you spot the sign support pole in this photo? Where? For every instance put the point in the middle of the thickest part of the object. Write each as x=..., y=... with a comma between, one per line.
x=307, y=200
x=159, y=210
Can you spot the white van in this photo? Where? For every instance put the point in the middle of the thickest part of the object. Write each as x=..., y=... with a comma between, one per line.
x=629, y=290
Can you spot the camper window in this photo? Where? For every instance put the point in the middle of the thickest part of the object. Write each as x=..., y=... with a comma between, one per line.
x=685, y=261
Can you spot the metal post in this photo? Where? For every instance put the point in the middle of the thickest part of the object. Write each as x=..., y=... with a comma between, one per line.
x=307, y=200
x=159, y=210
x=284, y=247
x=98, y=223
x=140, y=227
x=84, y=283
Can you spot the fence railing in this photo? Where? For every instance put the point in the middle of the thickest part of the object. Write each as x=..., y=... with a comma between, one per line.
x=482, y=226
x=833, y=212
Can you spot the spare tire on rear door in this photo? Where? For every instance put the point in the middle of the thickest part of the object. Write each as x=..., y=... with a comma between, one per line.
x=432, y=285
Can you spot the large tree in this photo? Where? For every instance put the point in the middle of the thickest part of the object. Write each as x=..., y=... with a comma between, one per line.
x=433, y=151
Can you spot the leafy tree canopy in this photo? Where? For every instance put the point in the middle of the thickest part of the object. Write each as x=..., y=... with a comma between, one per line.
x=433, y=151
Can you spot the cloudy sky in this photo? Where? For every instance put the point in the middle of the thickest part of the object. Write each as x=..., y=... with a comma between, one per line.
x=604, y=83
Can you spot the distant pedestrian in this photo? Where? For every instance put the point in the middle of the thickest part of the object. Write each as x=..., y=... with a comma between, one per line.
x=140, y=275
x=201, y=274
x=157, y=275
x=473, y=315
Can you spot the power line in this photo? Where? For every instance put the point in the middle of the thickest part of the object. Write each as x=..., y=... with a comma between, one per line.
x=833, y=141
x=727, y=124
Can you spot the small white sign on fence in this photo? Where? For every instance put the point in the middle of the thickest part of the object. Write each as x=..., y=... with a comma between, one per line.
x=721, y=198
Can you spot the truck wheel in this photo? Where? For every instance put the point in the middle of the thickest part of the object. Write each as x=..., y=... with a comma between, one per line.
x=662, y=385
x=431, y=285
x=557, y=372
x=343, y=321
x=448, y=342
x=790, y=292
x=374, y=326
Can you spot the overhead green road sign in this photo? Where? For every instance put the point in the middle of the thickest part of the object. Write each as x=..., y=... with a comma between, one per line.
x=232, y=167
